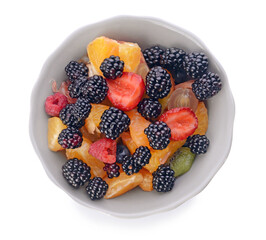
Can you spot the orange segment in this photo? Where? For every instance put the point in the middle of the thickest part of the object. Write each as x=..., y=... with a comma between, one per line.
x=83, y=154
x=136, y=127
x=128, y=141
x=55, y=126
x=130, y=53
x=146, y=184
x=161, y=156
x=202, y=115
x=122, y=184
x=101, y=48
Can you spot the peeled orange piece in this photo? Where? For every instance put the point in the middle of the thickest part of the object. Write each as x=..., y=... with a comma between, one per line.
x=128, y=141
x=202, y=115
x=146, y=184
x=82, y=153
x=159, y=157
x=122, y=184
x=95, y=116
x=101, y=48
x=55, y=126
x=136, y=127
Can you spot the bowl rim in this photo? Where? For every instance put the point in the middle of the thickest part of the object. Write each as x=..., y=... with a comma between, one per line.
x=164, y=24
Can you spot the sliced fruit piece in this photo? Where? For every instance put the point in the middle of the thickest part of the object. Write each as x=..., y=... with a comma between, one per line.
x=146, y=184
x=104, y=150
x=159, y=157
x=126, y=92
x=128, y=141
x=83, y=154
x=136, y=127
x=182, y=122
x=187, y=84
x=122, y=184
x=182, y=161
x=101, y=48
x=183, y=97
x=130, y=53
x=55, y=126
x=202, y=115
x=143, y=68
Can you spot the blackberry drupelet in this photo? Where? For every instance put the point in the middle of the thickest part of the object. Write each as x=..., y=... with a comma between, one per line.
x=207, y=86
x=95, y=89
x=195, y=64
x=112, y=67
x=74, y=70
x=69, y=117
x=153, y=55
x=158, y=134
x=149, y=108
x=121, y=151
x=76, y=172
x=163, y=179
x=198, y=144
x=142, y=156
x=75, y=88
x=112, y=170
x=129, y=166
x=82, y=108
x=158, y=83
x=173, y=58
x=114, y=122
x=70, y=138
x=96, y=188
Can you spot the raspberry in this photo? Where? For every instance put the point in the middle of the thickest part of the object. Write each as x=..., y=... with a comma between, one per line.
x=55, y=103
x=149, y=108
x=76, y=172
x=97, y=188
x=70, y=138
x=112, y=67
x=74, y=70
x=152, y=56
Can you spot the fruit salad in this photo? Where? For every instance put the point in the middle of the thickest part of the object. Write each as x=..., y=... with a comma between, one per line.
x=126, y=117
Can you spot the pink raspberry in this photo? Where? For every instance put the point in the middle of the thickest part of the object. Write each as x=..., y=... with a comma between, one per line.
x=55, y=103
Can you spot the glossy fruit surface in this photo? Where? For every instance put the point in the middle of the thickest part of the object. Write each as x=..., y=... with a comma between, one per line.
x=146, y=184
x=202, y=115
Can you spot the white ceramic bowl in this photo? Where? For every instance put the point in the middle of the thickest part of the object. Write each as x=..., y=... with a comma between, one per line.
x=146, y=32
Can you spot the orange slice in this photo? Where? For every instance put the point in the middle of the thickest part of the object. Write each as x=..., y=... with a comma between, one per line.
x=122, y=184
x=146, y=184
x=128, y=141
x=202, y=115
x=55, y=126
x=82, y=153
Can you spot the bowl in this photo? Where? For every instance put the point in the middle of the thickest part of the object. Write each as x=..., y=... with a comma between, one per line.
x=146, y=32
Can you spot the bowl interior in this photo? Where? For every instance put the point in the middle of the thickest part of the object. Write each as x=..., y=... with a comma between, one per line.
x=146, y=32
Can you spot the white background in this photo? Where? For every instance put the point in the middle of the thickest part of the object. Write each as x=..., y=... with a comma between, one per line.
x=232, y=206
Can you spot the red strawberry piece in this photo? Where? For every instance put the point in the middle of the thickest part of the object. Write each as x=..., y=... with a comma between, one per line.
x=55, y=103
x=126, y=92
x=182, y=122
x=104, y=150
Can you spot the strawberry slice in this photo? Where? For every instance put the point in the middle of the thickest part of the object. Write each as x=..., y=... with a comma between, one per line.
x=126, y=92
x=182, y=122
x=104, y=150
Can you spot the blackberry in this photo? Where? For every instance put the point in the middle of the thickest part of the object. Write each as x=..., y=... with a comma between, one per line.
x=112, y=67
x=76, y=172
x=158, y=134
x=141, y=156
x=114, y=122
x=149, y=108
x=95, y=89
x=82, y=108
x=70, y=138
x=69, y=117
x=129, y=166
x=75, y=88
x=121, y=151
x=173, y=58
x=96, y=188
x=74, y=70
x=158, y=83
x=163, y=179
x=195, y=64
x=198, y=144
x=112, y=170
x=207, y=86
x=152, y=56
